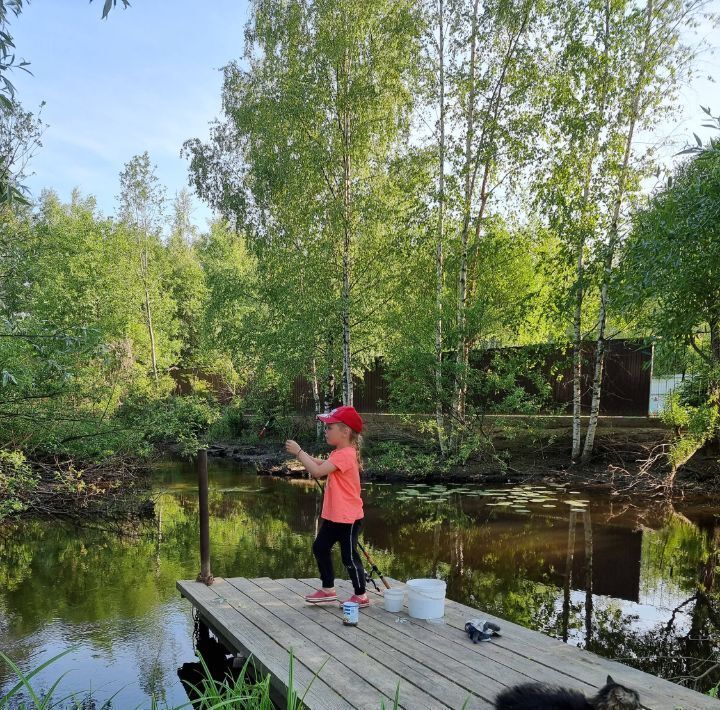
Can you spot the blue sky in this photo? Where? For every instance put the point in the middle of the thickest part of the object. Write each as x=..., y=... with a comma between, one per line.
x=148, y=78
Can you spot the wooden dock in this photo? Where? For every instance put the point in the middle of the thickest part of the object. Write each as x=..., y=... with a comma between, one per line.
x=435, y=665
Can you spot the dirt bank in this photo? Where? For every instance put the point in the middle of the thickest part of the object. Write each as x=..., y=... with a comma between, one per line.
x=516, y=449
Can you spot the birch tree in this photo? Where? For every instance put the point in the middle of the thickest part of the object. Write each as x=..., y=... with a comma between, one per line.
x=437, y=24
x=570, y=191
x=656, y=61
x=142, y=201
x=495, y=68
x=313, y=126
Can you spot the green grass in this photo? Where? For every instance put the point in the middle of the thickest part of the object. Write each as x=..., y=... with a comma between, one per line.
x=241, y=693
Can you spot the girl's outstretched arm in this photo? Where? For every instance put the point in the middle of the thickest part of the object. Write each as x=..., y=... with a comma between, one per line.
x=317, y=468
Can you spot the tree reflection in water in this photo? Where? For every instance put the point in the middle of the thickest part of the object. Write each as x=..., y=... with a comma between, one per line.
x=633, y=583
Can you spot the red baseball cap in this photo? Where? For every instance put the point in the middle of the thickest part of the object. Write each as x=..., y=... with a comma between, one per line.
x=345, y=415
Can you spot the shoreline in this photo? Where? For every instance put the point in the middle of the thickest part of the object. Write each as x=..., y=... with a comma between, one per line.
x=549, y=464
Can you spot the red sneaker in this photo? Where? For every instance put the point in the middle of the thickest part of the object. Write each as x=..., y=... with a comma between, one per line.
x=321, y=596
x=360, y=601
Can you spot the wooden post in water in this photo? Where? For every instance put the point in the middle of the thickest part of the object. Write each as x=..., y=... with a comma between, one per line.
x=587, y=527
x=202, y=472
x=570, y=556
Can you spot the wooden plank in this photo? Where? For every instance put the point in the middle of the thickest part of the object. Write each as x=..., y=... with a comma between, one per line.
x=442, y=637
x=474, y=682
x=318, y=657
x=655, y=692
x=264, y=618
x=578, y=663
x=476, y=667
x=368, y=681
x=419, y=669
x=268, y=656
x=519, y=664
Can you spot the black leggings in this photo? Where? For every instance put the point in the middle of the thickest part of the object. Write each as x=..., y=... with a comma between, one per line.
x=346, y=534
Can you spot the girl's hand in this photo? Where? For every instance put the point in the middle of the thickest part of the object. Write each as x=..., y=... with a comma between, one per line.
x=292, y=447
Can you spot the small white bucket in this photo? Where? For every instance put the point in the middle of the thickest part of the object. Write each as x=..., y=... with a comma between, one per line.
x=426, y=598
x=393, y=599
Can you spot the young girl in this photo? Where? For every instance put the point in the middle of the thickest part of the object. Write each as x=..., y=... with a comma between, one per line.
x=342, y=511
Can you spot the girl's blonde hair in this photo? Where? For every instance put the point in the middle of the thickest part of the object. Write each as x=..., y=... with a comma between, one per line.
x=356, y=440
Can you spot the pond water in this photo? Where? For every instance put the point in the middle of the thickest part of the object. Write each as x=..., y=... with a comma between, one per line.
x=634, y=570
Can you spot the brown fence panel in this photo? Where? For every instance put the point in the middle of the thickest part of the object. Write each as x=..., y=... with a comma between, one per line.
x=370, y=393
x=625, y=387
x=301, y=397
x=626, y=379
x=625, y=384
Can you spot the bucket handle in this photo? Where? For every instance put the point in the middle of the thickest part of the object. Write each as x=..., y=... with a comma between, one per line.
x=434, y=599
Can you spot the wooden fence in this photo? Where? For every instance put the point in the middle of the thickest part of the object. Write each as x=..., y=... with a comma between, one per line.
x=625, y=385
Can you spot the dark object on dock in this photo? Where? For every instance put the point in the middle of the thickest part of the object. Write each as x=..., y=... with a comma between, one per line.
x=533, y=696
x=481, y=630
x=202, y=472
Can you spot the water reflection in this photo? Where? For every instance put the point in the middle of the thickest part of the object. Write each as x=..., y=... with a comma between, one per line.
x=631, y=582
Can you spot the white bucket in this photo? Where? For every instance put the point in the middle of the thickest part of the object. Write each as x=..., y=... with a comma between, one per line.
x=426, y=598
x=393, y=599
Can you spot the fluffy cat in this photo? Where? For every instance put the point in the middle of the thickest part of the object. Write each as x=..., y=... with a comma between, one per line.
x=539, y=696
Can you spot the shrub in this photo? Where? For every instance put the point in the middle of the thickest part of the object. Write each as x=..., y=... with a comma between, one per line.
x=393, y=456
x=17, y=481
x=231, y=424
x=180, y=420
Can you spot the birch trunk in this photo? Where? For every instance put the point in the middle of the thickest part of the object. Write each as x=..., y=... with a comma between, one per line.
x=347, y=385
x=316, y=399
x=597, y=377
x=579, y=285
x=461, y=353
x=577, y=360
x=439, y=267
x=148, y=314
x=329, y=393
x=612, y=244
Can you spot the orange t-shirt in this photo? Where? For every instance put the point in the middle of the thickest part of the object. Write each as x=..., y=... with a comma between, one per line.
x=342, y=502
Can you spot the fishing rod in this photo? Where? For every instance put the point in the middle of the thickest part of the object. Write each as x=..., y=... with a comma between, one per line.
x=373, y=567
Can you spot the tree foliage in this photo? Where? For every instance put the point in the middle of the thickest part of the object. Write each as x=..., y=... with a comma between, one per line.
x=415, y=181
